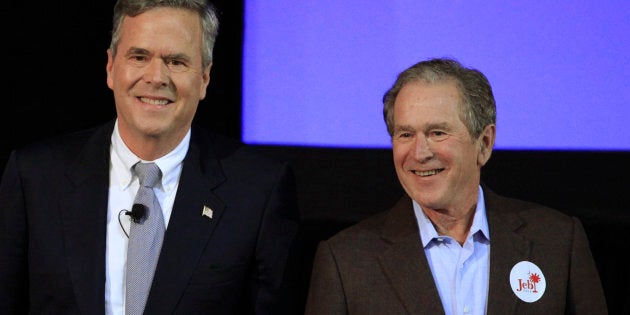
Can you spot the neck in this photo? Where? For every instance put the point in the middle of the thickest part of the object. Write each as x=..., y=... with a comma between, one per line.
x=453, y=223
x=150, y=147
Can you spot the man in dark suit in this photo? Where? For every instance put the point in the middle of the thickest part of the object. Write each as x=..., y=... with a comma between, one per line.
x=230, y=213
x=451, y=245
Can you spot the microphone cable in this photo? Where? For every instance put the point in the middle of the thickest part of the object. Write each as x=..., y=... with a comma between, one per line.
x=120, y=222
x=137, y=214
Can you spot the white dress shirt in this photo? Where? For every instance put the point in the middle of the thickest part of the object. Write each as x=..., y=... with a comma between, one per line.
x=123, y=185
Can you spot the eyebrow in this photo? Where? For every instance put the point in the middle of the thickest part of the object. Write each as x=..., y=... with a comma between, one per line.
x=427, y=127
x=403, y=128
x=179, y=56
x=438, y=126
x=136, y=50
x=142, y=51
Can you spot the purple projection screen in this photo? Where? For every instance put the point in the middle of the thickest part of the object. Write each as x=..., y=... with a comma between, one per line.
x=314, y=72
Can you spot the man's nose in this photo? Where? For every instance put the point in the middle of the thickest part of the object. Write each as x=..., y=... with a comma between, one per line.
x=157, y=72
x=422, y=149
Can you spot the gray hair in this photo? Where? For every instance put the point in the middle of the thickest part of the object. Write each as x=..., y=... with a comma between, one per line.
x=478, y=109
x=206, y=11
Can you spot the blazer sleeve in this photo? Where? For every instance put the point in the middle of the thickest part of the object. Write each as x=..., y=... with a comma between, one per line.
x=273, y=289
x=13, y=242
x=325, y=295
x=585, y=292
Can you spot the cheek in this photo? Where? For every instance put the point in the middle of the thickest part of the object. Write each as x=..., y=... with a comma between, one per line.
x=123, y=78
x=114, y=77
x=466, y=159
x=399, y=154
x=189, y=85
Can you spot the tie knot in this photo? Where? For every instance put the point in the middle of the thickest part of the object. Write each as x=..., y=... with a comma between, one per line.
x=148, y=174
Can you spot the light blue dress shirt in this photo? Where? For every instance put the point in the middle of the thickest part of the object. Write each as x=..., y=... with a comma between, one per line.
x=461, y=273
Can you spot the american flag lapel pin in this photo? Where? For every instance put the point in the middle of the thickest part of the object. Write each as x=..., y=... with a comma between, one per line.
x=206, y=212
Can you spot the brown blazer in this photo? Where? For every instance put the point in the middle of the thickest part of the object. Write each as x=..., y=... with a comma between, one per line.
x=378, y=266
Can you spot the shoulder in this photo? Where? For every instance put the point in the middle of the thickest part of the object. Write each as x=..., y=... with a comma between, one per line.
x=522, y=208
x=380, y=230
x=64, y=148
x=359, y=242
x=231, y=150
x=243, y=165
x=367, y=228
x=538, y=221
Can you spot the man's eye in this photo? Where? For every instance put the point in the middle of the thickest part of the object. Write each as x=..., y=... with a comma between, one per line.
x=139, y=58
x=438, y=135
x=176, y=65
x=403, y=135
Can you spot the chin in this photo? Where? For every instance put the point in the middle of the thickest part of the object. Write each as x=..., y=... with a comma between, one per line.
x=427, y=198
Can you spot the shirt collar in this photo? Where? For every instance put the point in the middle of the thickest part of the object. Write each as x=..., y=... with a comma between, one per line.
x=170, y=164
x=479, y=224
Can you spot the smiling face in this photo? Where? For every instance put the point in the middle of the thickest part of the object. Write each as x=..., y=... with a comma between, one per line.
x=436, y=160
x=157, y=76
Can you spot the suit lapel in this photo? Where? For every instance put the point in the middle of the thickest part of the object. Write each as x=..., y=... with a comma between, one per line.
x=405, y=263
x=188, y=231
x=507, y=249
x=83, y=213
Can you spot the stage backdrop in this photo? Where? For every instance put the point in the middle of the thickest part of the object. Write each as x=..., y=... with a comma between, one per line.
x=314, y=72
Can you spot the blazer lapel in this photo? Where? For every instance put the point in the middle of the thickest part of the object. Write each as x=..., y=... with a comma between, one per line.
x=83, y=212
x=405, y=263
x=188, y=231
x=507, y=249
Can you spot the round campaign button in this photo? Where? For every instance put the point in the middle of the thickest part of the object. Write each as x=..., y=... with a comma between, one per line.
x=527, y=281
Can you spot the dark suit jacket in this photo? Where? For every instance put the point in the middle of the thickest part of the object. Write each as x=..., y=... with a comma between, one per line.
x=53, y=206
x=379, y=267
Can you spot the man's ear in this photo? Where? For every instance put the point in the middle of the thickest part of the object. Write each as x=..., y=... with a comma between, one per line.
x=486, y=143
x=109, y=67
x=205, y=80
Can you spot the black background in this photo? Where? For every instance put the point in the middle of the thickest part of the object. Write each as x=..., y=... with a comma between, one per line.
x=56, y=51
x=55, y=82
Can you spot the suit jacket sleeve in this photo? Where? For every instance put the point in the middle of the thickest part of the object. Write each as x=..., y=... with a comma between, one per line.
x=325, y=295
x=13, y=262
x=274, y=287
x=585, y=292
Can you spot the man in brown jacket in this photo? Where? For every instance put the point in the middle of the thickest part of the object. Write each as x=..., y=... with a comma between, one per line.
x=451, y=245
